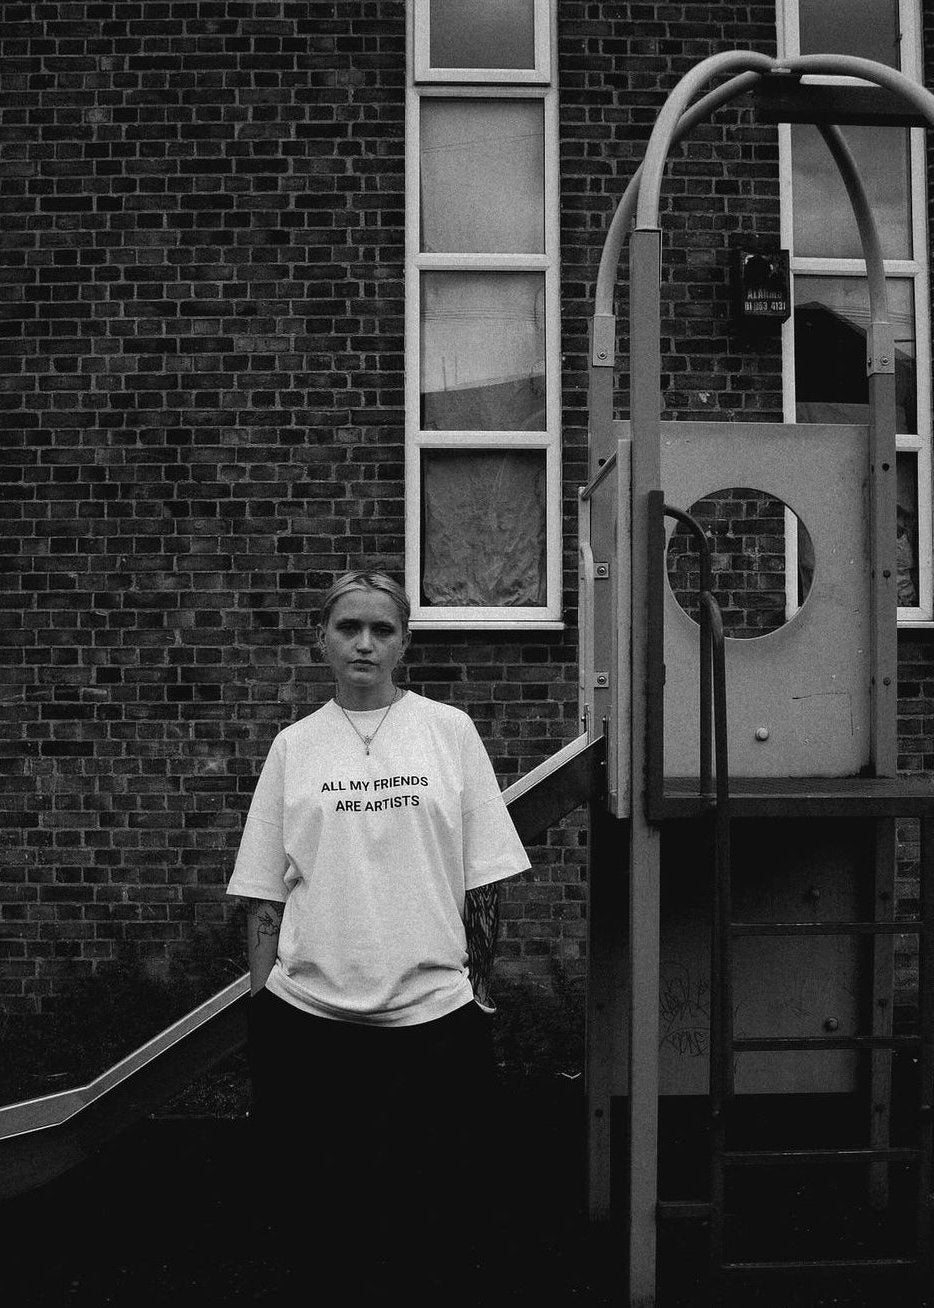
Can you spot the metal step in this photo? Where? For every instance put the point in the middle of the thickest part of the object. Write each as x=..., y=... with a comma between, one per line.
x=763, y=1157
x=831, y=1265
x=908, y=926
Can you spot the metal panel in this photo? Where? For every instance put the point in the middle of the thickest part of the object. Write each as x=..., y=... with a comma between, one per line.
x=576, y=775
x=807, y=683
x=606, y=509
x=787, y=101
x=784, y=872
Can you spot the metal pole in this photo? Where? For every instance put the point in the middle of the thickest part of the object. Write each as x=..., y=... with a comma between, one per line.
x=926, y=1023
x=645, y=862
x=607, y=1002
x=721, y=979
x=880, y=365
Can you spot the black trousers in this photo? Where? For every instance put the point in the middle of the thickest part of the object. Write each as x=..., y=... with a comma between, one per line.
x=378, y=1140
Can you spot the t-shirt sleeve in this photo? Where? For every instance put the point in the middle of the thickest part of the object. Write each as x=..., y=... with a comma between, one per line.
x=492, y=848
x=259, y=871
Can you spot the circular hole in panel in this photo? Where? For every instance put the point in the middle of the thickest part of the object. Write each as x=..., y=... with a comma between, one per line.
x=762, y=560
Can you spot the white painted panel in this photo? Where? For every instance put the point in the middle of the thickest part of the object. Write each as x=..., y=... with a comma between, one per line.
x=807, y=683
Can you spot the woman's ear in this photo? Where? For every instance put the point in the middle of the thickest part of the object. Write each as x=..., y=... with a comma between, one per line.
x=319, y=638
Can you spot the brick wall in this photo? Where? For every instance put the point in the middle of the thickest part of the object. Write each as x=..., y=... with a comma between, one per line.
x=720, y=191
x=746, y=532
x=201, y=398
x=201, y=331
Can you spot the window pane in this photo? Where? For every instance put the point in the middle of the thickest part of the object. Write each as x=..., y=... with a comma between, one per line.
x=482, y=176
x=831, y=320
x=482, y=33
x=483, y=352
x=906, y=528
x=483, y=528
x=868, y=28
x=824, y=223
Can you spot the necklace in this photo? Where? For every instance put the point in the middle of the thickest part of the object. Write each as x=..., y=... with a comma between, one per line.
x=367, y=740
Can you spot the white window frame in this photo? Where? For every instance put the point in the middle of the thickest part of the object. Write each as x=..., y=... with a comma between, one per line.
x=421, y=54
x=914, y=270
x=437, y=617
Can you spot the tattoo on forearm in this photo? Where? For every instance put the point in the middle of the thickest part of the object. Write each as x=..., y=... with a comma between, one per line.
x=264, y=917
x=481, y=925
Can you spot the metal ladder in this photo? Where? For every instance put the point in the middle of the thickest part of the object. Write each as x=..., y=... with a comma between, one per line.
x=724, y=1045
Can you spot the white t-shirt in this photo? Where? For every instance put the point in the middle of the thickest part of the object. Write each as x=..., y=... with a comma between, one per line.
x=372, y=855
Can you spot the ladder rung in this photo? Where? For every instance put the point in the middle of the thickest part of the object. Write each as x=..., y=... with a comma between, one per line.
x=754, y=1157
x=906, y=927
x=777, y=1044
x=836, y=1265
x=675, y=1209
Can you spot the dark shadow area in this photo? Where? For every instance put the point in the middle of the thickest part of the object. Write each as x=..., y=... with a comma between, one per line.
x=792, y=1212
x=162, y=1216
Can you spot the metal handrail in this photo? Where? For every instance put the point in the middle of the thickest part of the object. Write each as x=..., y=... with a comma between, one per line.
x=586, y=492
x=56, y=1109
x=42, y=1137
x=707, y=619
x=713, y=686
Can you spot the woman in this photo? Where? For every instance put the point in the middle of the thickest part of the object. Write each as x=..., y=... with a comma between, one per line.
x=369, y=863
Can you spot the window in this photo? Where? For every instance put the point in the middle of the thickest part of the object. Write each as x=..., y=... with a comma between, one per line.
x=483, y=475
x=825, y=339
x=482, y=41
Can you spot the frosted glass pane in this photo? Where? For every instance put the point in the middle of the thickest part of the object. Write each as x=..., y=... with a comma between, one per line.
x=482, y=176
x=482, y=33
x=483, y=528
x=867, y=28
x=824, y=222
x=483, y=352
x=831, y=321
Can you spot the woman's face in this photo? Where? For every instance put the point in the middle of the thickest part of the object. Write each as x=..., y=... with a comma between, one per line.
x=362, y=642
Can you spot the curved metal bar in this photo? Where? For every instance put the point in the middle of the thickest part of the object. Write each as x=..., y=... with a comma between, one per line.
x=719, y=696
x=862, y=210
x=621, y=221
x=700, y=536
x=667, y=122
x=666, y=125
x=641, y=197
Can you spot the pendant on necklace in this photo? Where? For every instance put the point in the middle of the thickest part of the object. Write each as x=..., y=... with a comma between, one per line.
x=366, y=741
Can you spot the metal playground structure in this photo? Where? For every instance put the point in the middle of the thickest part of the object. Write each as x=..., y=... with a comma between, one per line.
x=752, y=784
x=743, y=794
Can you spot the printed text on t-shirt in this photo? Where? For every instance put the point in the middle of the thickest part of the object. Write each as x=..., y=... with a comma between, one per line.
x=368, y=805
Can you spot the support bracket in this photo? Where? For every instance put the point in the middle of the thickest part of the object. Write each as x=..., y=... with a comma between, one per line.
x=604, y=340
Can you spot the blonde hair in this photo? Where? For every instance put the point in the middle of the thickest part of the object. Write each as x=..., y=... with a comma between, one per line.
x=363, y=579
